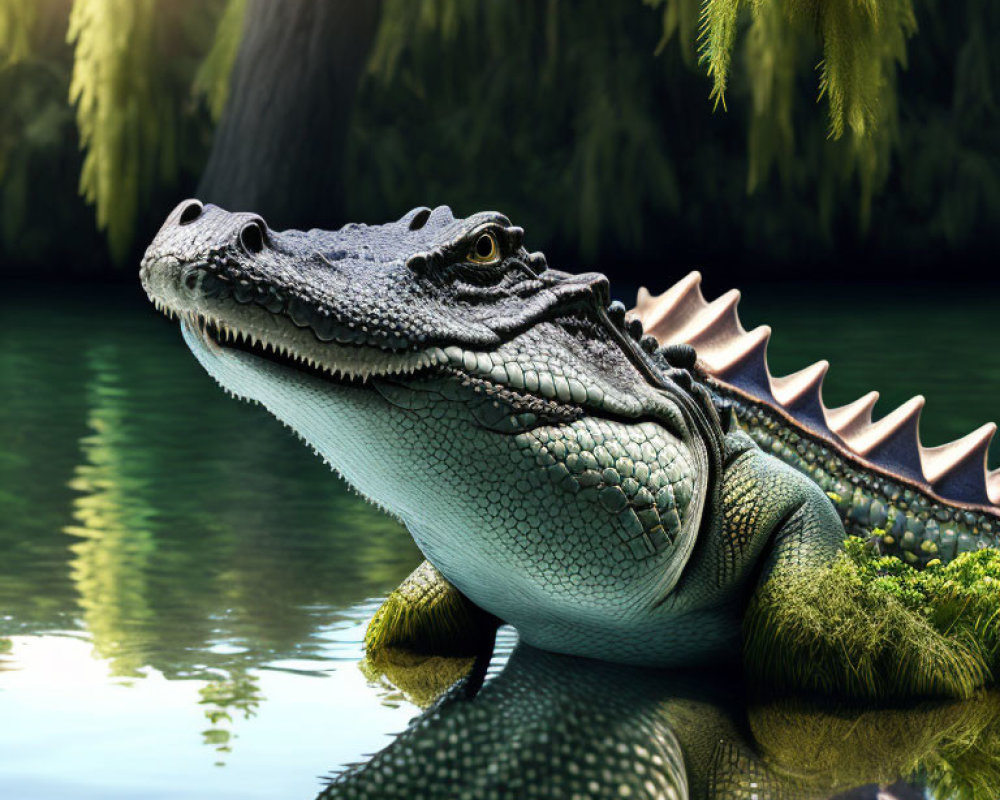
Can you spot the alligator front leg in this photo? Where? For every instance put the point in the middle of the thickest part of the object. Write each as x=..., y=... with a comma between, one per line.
x=773, y=512
x=426, y=614
x=812, y=623
x=427, y=635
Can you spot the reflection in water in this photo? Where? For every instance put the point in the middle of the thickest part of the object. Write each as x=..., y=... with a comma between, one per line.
x=238, y=694
x=951, y=748
x=551, y=726
x=113, y=557
x=216, y=569
x=123, y=513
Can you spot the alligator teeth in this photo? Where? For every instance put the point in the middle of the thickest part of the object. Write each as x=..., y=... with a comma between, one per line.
x=737, y=358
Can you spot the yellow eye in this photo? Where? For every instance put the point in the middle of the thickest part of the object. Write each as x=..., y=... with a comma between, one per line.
x=485, y=250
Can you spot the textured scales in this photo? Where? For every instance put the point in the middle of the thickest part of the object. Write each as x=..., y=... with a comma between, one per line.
x=560, y=470
x=933, y=502
x=548, y=726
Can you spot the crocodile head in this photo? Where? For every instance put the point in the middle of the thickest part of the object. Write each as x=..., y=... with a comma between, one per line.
x=544, y=460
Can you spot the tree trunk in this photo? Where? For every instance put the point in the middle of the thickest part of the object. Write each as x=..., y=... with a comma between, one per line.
x=279, y=148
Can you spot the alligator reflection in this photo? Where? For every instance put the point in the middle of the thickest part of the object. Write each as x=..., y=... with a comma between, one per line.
x=551, y=726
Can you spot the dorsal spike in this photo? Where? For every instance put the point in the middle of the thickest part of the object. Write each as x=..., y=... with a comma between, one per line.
x=718, y=324
x=847, y=420
x=957, y=470
x=894, y=441
x=801, y=394
x=666, y=315
x=743, y=363
x=730, y=355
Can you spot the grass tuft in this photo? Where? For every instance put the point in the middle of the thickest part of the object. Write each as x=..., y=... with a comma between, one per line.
x=427, y=615
x=873, y=626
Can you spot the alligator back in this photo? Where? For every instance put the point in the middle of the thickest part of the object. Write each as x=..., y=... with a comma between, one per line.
x=932, y=502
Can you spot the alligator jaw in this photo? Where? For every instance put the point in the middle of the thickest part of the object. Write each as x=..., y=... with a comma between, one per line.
x=297, y=348
x=225, y=324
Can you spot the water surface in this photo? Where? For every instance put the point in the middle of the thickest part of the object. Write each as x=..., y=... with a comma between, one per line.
x=184, y=586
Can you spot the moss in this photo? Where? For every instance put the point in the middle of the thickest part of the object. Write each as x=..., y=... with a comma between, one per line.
x=418, y=638
x=874, y=626
x=421, y=678
x=425, y=636
x=427, y=618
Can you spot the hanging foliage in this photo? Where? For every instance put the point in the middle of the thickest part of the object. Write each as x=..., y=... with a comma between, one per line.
x=35, y=120
x=680, y=23
x=117, y=113
x=572, y=104
x=859, y=44
x=134, y=65
x=17, y=20
x=212, y=79
x=862, y=42
x=584, y=117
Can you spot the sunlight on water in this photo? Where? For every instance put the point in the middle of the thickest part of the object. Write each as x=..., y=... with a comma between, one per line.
x=184, y=587
x=85, y=731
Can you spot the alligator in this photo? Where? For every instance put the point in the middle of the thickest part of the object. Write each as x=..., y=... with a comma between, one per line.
x=614, y=485
x=555, y=726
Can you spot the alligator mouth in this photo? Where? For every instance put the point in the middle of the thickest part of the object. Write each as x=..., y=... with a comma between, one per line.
x=277, y=339
x=225, y=325
x=219, y=337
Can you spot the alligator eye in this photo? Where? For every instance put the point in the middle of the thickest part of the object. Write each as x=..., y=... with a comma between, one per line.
x=485, y=250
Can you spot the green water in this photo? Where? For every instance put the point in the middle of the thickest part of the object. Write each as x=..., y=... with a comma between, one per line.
x=184, y=586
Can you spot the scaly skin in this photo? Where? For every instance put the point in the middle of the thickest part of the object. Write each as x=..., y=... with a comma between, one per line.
x=932, y=503
x=560, y=471
x=552, y=726
x=918, y=528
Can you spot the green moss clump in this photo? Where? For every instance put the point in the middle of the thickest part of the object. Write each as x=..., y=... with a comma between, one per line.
x=426, y=614
x=873, y=626
x=425, y=636
x=421, y=678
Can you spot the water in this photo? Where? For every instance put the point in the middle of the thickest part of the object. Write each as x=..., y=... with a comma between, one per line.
x=184, y=587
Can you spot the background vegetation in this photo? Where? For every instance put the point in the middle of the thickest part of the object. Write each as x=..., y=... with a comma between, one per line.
x=790, y=138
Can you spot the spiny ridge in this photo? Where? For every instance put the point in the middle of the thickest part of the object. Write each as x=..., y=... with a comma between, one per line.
x=737, y=358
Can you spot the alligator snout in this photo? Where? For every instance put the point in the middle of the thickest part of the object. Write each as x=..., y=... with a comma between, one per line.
x=194, y=227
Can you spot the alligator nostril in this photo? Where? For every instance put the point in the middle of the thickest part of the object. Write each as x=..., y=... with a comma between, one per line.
x=420, y=219
x=252, y=237
x=190, y=213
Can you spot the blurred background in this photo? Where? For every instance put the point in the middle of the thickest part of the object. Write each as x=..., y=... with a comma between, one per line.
x=182, y=584
x=802, y=139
